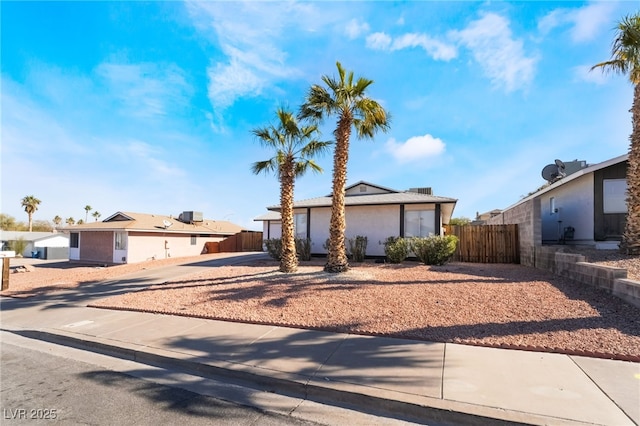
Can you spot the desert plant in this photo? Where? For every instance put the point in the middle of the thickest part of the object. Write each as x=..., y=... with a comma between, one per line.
x=396, y=249
x=274, y=247
x=357, y=248
x=18, y=246
x=434, y=250
x=303, y=248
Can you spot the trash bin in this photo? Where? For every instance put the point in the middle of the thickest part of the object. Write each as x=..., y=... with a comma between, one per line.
x=34, y=254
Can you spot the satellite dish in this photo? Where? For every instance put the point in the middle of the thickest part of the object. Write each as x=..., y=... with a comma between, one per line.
x=560, y=164
x=550, y=173
x=166, y=223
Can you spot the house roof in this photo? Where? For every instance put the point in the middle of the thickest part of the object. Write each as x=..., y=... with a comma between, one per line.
x=142, y=222
x=27, y=236
x=577, y=175
x=389, y=196
x=381, y=196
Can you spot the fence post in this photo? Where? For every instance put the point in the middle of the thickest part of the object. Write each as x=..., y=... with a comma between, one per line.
x=5, y=272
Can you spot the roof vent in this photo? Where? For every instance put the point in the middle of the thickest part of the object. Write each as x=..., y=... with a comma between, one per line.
x=425, y=190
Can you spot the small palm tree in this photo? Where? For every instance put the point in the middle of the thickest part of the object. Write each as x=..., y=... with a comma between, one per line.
x=294, y=146
x=346, y=99
x=96, y=214
x=57, y=220
x=625, y=59
x=30, y=204
x=71, y=221
x=87, y=209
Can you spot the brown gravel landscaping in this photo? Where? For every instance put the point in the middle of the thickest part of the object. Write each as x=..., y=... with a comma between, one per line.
x=479, y=304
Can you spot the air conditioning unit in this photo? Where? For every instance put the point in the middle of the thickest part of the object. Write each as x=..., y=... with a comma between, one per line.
x=191, y=217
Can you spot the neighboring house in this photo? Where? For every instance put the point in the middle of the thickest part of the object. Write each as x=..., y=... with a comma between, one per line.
x=481, y=218
x=43, y=245
x=587, y=206
x=136, y=237
x=372, y=211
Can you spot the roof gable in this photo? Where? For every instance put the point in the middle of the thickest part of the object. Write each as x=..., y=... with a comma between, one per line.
x=366, y=188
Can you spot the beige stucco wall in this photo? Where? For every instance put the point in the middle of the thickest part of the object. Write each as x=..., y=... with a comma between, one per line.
x=151, y=245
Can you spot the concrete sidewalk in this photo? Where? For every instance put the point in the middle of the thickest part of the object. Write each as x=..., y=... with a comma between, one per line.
x=422, y=381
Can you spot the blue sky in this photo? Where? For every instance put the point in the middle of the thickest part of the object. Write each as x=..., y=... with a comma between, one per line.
x=149, y=107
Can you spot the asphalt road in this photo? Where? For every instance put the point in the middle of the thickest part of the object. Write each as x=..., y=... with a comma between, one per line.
x=43, y=388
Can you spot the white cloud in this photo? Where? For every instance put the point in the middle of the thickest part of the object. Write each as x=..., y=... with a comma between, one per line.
x=356, y=28
x=501, y=57
x=416, y=148
x=585, y=22
x=250, y=36
x=146, y=90
x=436, y=49
x=378, y=41
x=584, y=73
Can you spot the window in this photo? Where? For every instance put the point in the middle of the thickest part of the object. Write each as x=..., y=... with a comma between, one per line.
x=300, y=225
x=74, y=240
x=193, y=240
x=419, y=223
x=614, y=195
x=121, y=240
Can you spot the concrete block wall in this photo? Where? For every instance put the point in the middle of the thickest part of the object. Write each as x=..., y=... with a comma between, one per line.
x=527, y=216
x=572, y=266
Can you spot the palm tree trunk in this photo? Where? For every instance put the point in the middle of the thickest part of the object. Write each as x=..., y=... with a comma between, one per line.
x=289, y=260
x=30, y=221
x=337, y=256
x=631, y=239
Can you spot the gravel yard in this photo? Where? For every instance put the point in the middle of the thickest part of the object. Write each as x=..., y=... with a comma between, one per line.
x=479, y=304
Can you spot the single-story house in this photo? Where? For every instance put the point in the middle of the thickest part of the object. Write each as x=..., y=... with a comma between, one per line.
x=587, y=206
x=372, y=211
x=126, y=237
x=43, y=245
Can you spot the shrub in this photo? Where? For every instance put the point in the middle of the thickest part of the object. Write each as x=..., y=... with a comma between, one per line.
x=19, y=246
x=274, y=247
x=303, y=248
x=434, y=250
x=396, y=249
x=358, y=248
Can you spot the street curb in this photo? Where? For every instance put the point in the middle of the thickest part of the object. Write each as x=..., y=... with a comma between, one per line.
x=413, y=408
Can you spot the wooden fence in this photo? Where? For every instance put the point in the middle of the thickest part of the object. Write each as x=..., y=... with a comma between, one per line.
x=486, y=243
x=242, y=241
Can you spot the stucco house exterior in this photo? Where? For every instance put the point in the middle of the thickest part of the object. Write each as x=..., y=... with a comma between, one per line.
x=587, y=206
x=126, y=237
x=45, y=245
x=371, y=210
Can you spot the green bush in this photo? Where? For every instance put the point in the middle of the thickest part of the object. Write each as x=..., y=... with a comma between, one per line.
x=274, y=247
x=303, y=248
x=357, y=248
x=434, y=250
x=18, y=246
x=396, y=249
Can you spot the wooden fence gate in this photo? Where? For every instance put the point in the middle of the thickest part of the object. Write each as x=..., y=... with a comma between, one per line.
x=486, y=243
x=242, y=241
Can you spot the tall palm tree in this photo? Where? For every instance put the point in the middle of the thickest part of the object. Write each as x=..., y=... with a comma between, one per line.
x=294, y=146
x=96, y=214
x=625, y=59
x=70, y=221
x=348, y=100
x=30, y=204
x=57, y=220
x=87, y=209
